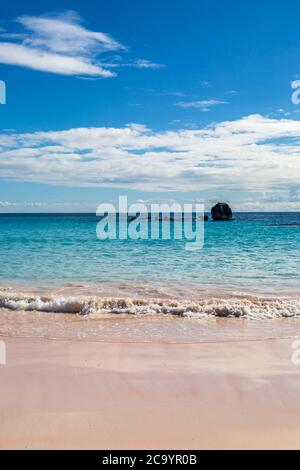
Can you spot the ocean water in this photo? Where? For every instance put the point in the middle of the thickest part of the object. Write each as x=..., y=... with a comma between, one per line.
x=254, y=251
x=256, y=254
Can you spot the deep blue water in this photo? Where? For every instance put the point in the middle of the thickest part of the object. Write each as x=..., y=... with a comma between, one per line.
x=257, y=250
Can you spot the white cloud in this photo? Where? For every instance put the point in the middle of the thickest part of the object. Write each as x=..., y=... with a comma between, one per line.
x=253, y=154
x=137, y=63
x=64, y=34
x=4, y=204
x=62, y=45
x=146, y=64
x=282, y=112
x=16, y=54
x=203, y=105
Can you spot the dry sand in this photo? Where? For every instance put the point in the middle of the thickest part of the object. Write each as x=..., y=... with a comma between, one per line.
x=89, y=395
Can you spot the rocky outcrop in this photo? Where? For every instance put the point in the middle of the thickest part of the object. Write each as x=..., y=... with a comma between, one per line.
x=221, y=211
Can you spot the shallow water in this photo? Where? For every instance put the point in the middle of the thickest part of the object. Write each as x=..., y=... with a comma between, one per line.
x=144, y=329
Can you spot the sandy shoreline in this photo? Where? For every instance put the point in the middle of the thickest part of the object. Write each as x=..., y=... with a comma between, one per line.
x=89, y=395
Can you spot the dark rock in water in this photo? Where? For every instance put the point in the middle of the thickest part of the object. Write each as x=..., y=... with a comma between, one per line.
x=205, y=218
x=221, y=211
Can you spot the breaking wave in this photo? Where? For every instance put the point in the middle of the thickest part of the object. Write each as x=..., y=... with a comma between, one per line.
x=246, y=307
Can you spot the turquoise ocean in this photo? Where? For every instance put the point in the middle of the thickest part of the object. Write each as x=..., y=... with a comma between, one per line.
x=255, y=255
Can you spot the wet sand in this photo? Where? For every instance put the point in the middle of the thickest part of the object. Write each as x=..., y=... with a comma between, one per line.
x=58, y=394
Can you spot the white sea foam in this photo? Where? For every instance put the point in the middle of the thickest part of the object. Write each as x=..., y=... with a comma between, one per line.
x=246, y=307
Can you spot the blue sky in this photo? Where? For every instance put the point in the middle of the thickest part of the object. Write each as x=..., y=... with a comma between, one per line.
x=186, y=100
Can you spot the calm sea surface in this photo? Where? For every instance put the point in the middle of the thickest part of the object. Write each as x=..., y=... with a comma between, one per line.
x=257, y=251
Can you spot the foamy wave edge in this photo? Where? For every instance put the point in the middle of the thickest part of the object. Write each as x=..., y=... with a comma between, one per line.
x=252, y=308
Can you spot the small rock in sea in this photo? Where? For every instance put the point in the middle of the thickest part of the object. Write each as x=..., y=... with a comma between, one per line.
x=221, y=211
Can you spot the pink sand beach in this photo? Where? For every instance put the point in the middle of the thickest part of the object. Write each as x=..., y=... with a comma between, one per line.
x=148, y=392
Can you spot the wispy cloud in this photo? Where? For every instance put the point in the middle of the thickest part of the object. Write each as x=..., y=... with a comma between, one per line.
x=146, y=64
x=279, y=113
x=253, y=154
x=178, y=94
x=5, y=204
x=16, y=54
x=202, y=105
x=63, y=45
x=66, y=35
x=205, y=83
x=117, y=61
